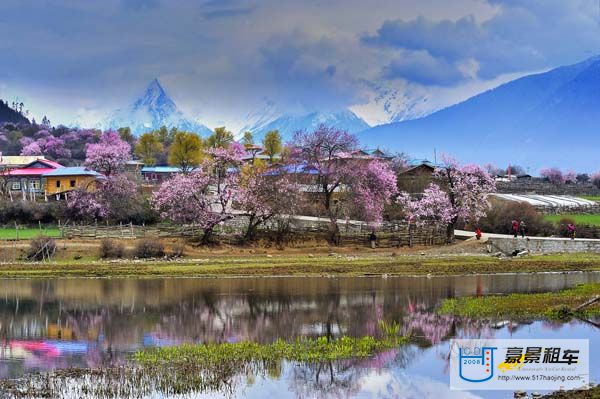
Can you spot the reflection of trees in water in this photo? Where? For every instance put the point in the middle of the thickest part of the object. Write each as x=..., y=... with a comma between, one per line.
x=210, y=315
x=326, y=380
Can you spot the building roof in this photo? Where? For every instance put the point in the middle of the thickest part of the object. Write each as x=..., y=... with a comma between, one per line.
x=161, y=169
x=18, y=160
x=38, y=167
x=299, y=168
x=72, y=171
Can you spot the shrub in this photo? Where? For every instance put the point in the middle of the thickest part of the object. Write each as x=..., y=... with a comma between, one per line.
x=41, y=248
x=27, y=212
x=149, y=248
x=502, y=213
x=111, y=249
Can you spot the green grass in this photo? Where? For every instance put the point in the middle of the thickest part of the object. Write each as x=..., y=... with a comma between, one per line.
x=591, y=197
x=592, y=220
x=549, y=305
x=27, y=233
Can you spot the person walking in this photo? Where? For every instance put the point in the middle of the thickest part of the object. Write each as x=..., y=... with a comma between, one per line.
x=373, y=239
x=522, y=228
x=571, y=230
x=478, y=233
x=515, y=228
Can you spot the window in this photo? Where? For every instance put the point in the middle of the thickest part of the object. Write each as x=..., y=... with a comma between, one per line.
x=34, y=185
x=72, y=183
x=16, y=186
x=58, y=184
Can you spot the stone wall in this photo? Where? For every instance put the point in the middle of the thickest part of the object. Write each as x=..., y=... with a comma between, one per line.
x=538, y=186
x=537, y=245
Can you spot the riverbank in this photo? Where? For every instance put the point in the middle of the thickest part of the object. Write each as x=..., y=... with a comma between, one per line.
x=348, y=263
x=550, y=305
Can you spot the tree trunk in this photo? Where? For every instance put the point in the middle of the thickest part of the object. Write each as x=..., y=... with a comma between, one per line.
x=450, y=232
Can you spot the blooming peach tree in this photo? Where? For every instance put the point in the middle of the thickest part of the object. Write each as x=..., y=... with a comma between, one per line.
x=109, y=155
x=355, y=181
x=203, y=197
x=463, y=197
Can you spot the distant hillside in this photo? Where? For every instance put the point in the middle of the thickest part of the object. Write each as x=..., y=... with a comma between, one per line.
x=8, y=114
x=546, y=119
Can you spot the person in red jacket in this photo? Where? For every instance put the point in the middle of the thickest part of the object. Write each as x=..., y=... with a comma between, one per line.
x=478, y=233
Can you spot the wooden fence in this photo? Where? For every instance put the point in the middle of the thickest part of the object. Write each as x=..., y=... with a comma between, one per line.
x=388, y=235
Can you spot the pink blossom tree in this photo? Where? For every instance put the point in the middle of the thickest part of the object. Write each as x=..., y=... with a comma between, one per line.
x=204, y=196
x=468, y=187
x=109, y=155
x=570, y=177
x=464, y=198
x=263, y=194
x=373, y=186
x=117, y=198
x=85, y=205
x=433, y=207
x=328, y=152
x=554, y=175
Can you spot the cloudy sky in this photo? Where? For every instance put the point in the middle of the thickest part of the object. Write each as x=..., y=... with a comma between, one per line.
x=220, y=59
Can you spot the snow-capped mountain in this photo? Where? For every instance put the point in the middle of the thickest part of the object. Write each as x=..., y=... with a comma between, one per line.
x=270, y=118
x=395, y=103
x=151, y=111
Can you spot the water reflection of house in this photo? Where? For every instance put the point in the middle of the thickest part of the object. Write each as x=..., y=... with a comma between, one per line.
x=60, y=332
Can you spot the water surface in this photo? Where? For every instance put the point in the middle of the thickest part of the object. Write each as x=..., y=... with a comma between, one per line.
x=52, y=324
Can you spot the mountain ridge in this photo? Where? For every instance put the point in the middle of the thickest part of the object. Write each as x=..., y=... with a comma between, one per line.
x=533, y=120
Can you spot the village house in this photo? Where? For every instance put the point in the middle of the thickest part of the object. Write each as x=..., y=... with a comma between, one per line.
x=417, y=177
x=63, y=180
x=155, y=175
x=28, y=181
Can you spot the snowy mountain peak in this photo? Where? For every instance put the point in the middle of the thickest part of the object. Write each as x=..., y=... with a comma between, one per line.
x=152, y=110
x=157, y=99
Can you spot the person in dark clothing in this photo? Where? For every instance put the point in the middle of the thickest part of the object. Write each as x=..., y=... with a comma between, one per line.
x=522, y=228
x=515, y=228
x=373, y=239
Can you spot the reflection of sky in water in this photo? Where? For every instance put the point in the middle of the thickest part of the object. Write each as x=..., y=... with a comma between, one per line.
x=52, y=324
x=425, y=375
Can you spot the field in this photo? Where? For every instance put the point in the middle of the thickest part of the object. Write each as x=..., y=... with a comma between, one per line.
x=27, y=233
x=591, y=197
x=592, y=220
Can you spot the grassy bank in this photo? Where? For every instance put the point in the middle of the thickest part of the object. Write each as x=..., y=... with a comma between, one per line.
x=302, y=265
x=27, y=233
x=551, y=305
x=582, y=219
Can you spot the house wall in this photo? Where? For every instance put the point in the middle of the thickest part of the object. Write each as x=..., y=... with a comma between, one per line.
x=68, y=183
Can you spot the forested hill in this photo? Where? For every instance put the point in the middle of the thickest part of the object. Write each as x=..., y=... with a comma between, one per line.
x=8, y=114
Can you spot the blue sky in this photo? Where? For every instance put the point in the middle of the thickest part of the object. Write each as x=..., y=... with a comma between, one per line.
x=221, y=59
